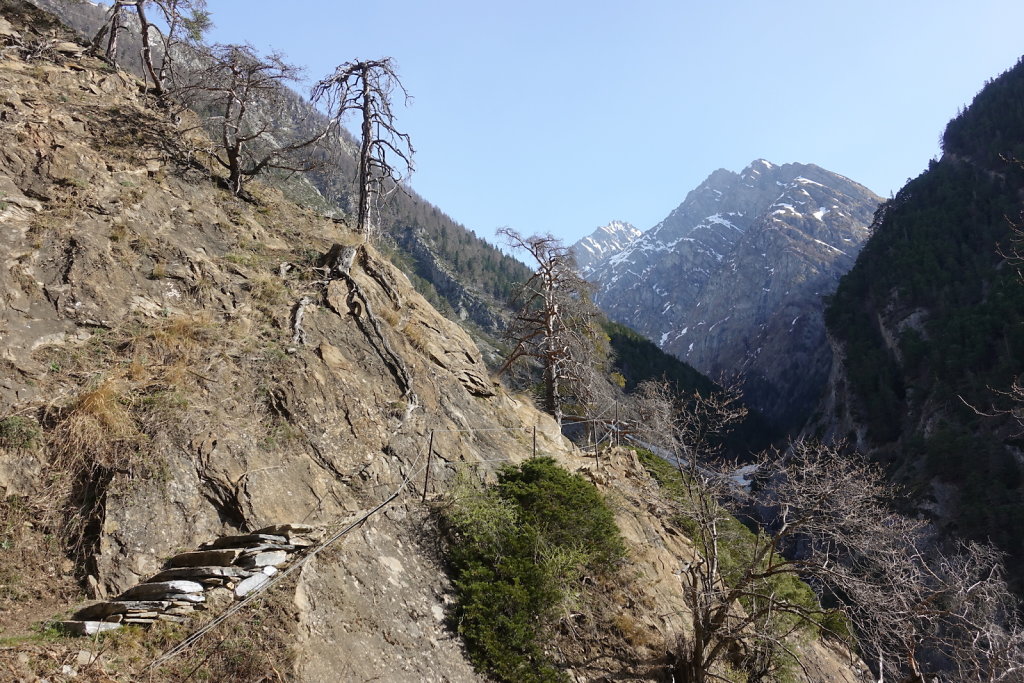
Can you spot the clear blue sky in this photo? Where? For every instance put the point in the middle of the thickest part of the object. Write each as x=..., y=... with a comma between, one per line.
x=561, y=115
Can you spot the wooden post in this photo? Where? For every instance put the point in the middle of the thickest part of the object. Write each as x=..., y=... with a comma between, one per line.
x=535, y=441
x=617, y=424
x=426, y=473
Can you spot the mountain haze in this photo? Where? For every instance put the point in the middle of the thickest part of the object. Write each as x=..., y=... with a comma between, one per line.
x=731, y=281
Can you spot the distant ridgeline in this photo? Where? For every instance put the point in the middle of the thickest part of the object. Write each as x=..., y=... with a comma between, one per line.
x=931, y=325
x=639, y=359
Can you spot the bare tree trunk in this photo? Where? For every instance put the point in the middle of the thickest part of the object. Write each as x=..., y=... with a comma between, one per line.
x=115, y=29
x=365, y=185
x=551, y=403
x=147, y=50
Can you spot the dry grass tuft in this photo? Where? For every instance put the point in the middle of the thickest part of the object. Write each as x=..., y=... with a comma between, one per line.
x=91, y=440
x=96, y=431
x=266, y=289
x=164, y=353
x=417, y=335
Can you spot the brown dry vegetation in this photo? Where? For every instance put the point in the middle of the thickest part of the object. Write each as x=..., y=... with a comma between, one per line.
x=252, y=647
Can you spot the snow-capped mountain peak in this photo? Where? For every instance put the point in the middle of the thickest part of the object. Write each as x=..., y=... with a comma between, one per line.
x=731, y=280
x=604, y=242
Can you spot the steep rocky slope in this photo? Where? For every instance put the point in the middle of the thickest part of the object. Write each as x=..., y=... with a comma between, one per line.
x=177, y=364
x=732, y=280
x=928, y=326
x=603, y=243
x=447, y=262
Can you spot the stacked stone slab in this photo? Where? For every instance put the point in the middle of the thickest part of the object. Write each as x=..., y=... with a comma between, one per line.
x=239, y=564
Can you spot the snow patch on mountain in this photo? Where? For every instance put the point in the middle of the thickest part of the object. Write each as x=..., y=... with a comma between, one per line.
x=747, y=254
x=604, y=242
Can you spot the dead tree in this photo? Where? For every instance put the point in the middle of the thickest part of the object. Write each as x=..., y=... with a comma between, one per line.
x=241, y=95
x=917, y=611
x=555, y=321
x=385, y=154
x=183, y=21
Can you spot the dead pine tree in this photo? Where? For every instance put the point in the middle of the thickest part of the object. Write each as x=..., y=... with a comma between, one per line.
x=241, y=94
x=555, y=323
x=184, y=21
x=385, y=153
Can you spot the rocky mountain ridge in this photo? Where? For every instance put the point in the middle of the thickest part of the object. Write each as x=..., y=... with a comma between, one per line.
x=732, y=280
x=603, y=243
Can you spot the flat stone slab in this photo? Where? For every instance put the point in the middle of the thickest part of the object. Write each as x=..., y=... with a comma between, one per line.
x=161, y=590
x=86, y=628
x=200, y=573
x=285, y=529
x=205, y=558
x=105, y=609
x=180, y=611
x=252, y=549
x=271, y=558
x=250, y=584
x=245, y=540
x=171, y=617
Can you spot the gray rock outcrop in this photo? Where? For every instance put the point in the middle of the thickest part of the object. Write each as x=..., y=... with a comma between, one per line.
x=174, y=593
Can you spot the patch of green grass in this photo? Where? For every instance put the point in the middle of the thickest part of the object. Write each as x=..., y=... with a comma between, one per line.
x=19, y=433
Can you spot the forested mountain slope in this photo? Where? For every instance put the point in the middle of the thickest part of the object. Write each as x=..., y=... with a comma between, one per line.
x=929, y=324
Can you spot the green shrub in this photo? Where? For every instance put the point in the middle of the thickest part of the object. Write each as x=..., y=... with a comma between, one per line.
x=518, y=552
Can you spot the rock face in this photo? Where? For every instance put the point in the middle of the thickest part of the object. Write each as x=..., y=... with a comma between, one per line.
x=732, y=280
x=603, y=243
x=927, y=329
